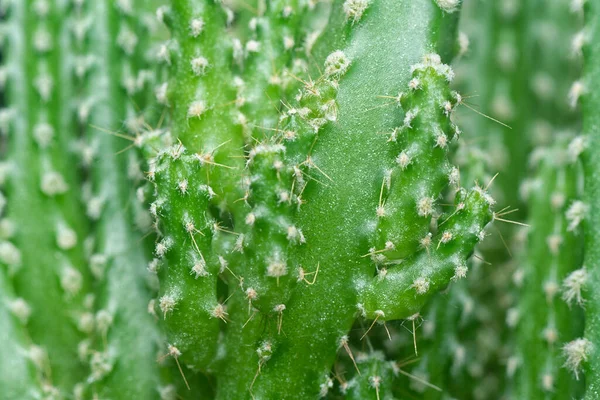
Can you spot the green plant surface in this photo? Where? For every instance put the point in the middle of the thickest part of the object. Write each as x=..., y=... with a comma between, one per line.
x=18, y=376
x=543, y=319
x=288, y=199
x=185, y=181
x=585, y=349
x=263, y=250
x=553, y=249
x=122, y=365
x=50, y=272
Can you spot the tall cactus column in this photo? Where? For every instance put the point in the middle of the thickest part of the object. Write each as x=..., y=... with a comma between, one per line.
x=123, y=364
x=544, y=319
x=587, y=349
x=42, y=192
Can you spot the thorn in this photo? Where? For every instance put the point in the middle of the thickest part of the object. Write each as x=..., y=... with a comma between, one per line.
x=500, y=213
x=250, y=319
x=125, y=149
x=416, y=378
x=413, y=318
x=415, y=338
x=241, y=280
x=407, y=362
x=217, y=227
x=484, y=115
x=376, y=252
x=376, y=107
x=503, y=241
x=450, y=216
x=310, y=163
x=279, y=309
x=381, y=192
x=387, y=331
x=117, y=134
x=316, y=272
x=490, y=182
x=495, y=217
x=175, y=353
x=314, y=179
x=378, y=314
x=481, y=259
x=344, y=343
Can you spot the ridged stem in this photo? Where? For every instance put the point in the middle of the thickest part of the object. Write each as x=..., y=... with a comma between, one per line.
x=126, y=363
x=591, y=164
x=42, y=193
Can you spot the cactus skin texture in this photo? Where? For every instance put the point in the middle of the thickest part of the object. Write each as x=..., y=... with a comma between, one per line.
x=128, y=366
x=42, y=193
x=253, y=223
x=591, y=129
x=18, y=377
x=554, y=251
x=263, y=199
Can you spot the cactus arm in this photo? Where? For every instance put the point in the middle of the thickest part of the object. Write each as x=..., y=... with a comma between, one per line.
x=444, y=32
x=507, y=95
x=205, y=159
x=591, y=165
x=269, y=273
x=42, y=193
x=127, y=366
x=404, y=289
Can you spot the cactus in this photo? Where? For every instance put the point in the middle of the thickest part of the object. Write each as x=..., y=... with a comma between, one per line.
x=582, y=352
x=264, y=199
x=45, y=261
x=121, y=364
x=553, y=253
x=19, y=376
x=553, y=249
x=279, y=173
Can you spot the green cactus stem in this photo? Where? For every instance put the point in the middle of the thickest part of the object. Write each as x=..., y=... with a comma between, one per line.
x=42, y=190
x=122, y=365
x=583, y=350
x=18, y=375
x=542, y=319
x=335, y=152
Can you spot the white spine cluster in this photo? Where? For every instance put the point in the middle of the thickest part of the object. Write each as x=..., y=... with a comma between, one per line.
x=448, y=6
x=354, y=9
x=573, y=285
x=196, y=27
x=576, y=213
x=421, y=285
x=576, y=352
x=336, y=64
x=167, y=304
x=53, y=184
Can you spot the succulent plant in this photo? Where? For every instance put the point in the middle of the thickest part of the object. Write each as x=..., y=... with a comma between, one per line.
x=252, y=200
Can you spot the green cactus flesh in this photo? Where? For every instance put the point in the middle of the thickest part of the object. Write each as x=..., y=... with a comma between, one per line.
x=263, y=199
